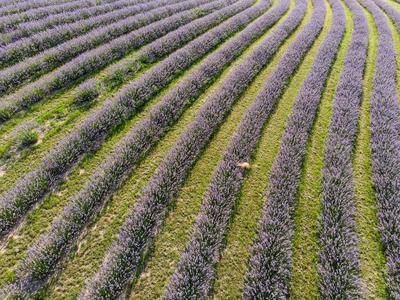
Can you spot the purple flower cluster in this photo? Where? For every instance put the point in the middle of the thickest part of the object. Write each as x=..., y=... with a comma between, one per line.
x=385, y=147
x=269, y=272
x=393, y=13
x=29, y=190
x=9, y=21
x=339, y=265
x=29, y=28
x=28, y=47
x=143, y=221
x=120, y=33
x=44, y=255
x=87, y=91
x=195, y=272
x=8, y=7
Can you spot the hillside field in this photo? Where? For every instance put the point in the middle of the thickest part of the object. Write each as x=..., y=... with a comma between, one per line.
x=200, y=149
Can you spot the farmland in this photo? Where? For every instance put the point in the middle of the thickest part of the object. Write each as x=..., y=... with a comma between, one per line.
x=193, y=149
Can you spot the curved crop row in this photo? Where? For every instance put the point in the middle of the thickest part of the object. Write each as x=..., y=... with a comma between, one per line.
x=16, y=202
x=339, y=265
x=29, y=28
x=269, y=272
x=143, y=221
x=28, y=47
x=45, y=254
x=385, y=147
x=48, y=60
x=8, y=22
x=195, y=272
x=393, y=13
x=98, y=58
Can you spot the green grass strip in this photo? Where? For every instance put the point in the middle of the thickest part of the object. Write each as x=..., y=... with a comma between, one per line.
x=98, y=238
x=55, y=117
x=371, y=253
x=173, y=237
x=234, y=259
x=305, y=242
x=40, y=218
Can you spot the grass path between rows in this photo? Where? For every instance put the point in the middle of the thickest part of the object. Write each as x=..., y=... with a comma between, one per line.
x=53, y=118
x=396, y=40
x=39, y=219
x=42, y=215
x=56, y=115
x=305, y=242
x=173, y=237
x=394, y=3
x=373, y=267
x=242, y=231
x=57, y=110
x=98, y=238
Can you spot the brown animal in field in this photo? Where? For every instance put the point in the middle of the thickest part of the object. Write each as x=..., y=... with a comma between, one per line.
x=244, y=165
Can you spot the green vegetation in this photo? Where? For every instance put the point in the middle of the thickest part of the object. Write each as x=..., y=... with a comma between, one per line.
x=29, y=135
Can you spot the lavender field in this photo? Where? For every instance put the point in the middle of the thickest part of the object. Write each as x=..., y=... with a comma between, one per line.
x=200, y=149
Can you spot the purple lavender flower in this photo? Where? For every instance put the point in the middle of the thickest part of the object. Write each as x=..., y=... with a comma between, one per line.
x=385, y=147
x=88, y=134
x=143, y=221
x=195, y=272
x=44, y=255
x=269, y=272
x=339, y=265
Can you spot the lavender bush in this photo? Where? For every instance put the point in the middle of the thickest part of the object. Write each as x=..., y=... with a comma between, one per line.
x=44, y=255
x=339, y=265
x=143, y=221
x=16, y=202
x=28, y=47
x=269, y=272
x=48, y=60
x=195, y=272
x=385, y=147
x=87, y=91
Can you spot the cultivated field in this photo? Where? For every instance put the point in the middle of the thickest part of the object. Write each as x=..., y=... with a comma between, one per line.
x=196, y=149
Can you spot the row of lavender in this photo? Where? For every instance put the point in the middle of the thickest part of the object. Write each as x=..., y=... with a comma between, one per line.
x=123, y=70
x=8, y=7
x=143, y=221
x=120, y=71
x=195, y=272
x=269, y=272
x=385, y=146
x=48, y=60
x=51, y=247
x=98, y=58
x=393, y=13
x=339, y=255
x=15, y=52
x=29, y=28
x=16, y=202
x=14, y=17
x=351, y=284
